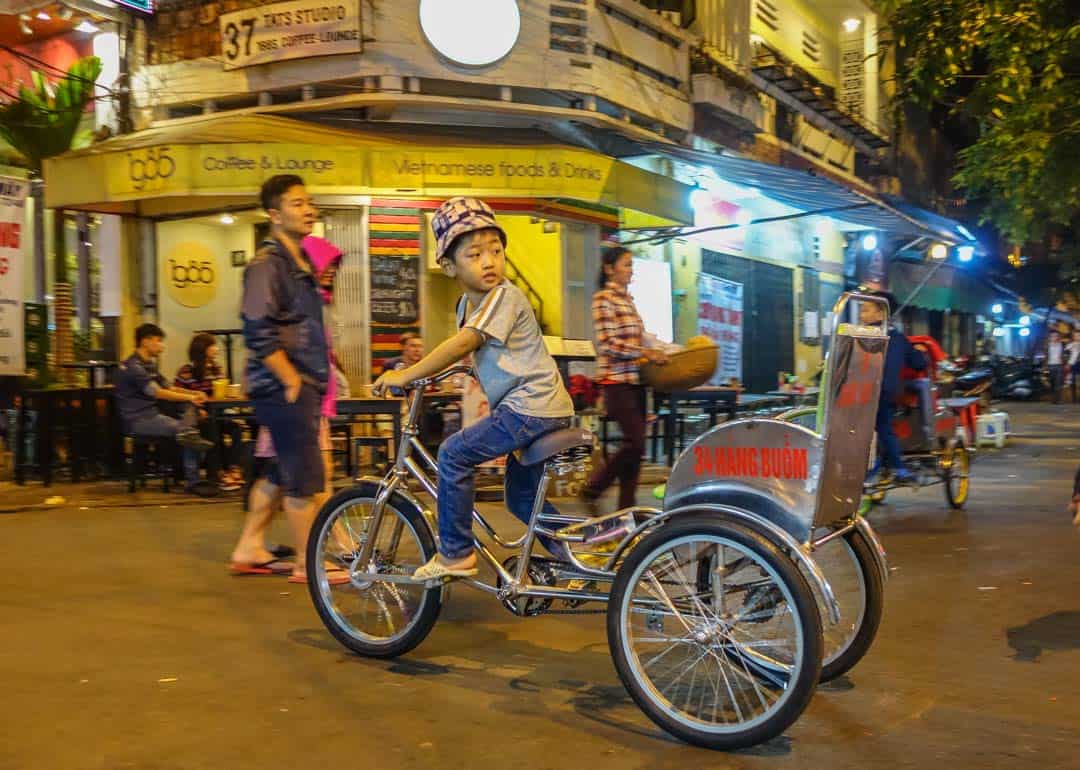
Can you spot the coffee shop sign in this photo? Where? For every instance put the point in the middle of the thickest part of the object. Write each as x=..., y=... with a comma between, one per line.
x=272, y=163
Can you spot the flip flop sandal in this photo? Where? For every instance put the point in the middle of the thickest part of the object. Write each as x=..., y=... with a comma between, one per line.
x=435, y=570
x=272, y=567
x=335, y=577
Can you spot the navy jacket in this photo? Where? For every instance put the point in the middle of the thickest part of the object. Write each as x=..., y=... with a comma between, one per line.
x=282, y=309
x=900, y=353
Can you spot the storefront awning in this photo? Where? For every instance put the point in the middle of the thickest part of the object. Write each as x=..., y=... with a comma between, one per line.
x=812, y=192
x=214, y=162
x=949, y=288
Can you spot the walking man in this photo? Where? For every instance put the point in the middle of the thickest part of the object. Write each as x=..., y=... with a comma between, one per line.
x=287, y=372
x=1055, y=353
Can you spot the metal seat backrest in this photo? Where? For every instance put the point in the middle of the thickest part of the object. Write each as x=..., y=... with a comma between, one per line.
x=850, y=392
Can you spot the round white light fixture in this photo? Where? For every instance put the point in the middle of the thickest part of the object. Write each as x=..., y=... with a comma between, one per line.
x=227, y=219
x=965, y=253
x=997, y=308
x=999, y=331
x=1025, y=332
x=939, y=251
x=869, y=242
x=1025, y=320
x=474, y=33
x=850, y=25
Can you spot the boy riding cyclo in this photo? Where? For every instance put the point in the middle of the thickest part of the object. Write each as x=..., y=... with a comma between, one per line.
x=498, y=328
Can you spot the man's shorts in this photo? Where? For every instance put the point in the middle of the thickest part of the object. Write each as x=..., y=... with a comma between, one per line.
x=294, y=429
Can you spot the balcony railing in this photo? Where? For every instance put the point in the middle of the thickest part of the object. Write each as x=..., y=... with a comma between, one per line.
x=789, y=77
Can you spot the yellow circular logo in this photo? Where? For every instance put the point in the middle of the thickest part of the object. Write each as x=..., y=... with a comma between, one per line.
x=191, y=274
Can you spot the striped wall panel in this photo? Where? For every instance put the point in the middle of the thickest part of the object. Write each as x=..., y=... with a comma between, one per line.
x=393, y=231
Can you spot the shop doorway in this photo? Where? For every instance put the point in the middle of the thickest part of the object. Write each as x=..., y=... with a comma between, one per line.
x=768, y=316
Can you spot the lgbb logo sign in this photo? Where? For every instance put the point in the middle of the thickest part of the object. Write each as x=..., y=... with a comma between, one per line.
x=190, y=274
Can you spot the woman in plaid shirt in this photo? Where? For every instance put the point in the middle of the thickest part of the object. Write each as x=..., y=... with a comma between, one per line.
x=620, y=348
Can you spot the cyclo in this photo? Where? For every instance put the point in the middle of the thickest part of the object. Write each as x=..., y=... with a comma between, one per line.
x=715, y=602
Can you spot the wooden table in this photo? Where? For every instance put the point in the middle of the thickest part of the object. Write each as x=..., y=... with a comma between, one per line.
x=796, y=397
x=92, y=368
x=714, y=401
x=244, y=409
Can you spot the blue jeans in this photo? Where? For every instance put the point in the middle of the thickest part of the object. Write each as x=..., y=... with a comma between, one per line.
x=888, y=443
x=159, y=425
x=498, y=434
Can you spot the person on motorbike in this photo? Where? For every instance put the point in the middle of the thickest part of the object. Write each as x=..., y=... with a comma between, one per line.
x=900, y=353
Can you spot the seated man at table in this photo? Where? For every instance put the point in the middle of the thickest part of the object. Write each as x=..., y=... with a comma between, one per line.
x=140, y=389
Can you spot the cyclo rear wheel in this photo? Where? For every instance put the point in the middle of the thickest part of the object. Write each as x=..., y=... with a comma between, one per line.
x=726, y=667
x=849, y=566
x=374, y=618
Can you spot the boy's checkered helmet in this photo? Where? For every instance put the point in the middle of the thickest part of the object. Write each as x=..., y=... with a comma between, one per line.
x=457, y=217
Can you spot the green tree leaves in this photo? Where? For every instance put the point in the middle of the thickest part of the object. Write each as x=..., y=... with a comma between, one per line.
x=1013, y=68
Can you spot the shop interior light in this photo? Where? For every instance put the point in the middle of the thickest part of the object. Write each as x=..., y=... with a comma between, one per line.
x=999, y=331
x=24, y=24
x=939, y=251
x=869, y=242
x=1025, y=331
x=965, y=253
x=852, y=24
x=44, y=16
x=227, y=219
x=997, y=308
x=700, y=200
x=965, y=232
x=86, y=26
x=1025, y=320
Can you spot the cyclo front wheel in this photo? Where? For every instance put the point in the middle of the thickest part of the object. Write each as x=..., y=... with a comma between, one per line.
x=375, y=618
x=715, y=633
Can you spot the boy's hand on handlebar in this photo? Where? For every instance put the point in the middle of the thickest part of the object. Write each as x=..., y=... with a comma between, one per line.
x=393, y=379
x=655, y=356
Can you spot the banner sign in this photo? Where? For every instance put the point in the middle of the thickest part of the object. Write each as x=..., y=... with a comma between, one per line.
x=720, y=318
x=294, y=30
x=13, y=194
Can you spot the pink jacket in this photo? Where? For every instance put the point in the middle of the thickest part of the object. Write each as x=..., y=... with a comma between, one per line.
x=324, y=254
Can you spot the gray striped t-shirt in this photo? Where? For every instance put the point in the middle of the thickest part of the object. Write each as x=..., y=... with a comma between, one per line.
x=512, y=364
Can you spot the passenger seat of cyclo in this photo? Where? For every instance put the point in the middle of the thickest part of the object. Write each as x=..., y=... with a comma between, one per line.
x=919, y=386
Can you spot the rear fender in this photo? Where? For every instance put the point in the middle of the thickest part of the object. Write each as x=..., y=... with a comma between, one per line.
x=773, y=532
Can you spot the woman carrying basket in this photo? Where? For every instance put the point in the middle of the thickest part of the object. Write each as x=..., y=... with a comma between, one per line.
x=620, y=342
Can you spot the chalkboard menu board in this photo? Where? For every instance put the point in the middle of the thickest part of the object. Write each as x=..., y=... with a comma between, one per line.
x=395, y=290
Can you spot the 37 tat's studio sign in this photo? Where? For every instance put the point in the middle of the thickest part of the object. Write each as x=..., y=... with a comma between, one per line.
x=292, y=30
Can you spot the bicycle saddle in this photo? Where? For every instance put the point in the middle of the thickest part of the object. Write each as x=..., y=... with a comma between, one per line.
x=551, y=444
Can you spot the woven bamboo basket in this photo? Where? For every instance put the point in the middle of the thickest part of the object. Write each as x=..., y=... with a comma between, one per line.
x=684, y=370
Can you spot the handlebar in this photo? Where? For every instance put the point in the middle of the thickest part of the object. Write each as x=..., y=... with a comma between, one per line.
x=435, y=379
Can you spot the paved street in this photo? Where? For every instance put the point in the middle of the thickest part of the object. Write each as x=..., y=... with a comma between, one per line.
x=124, y=643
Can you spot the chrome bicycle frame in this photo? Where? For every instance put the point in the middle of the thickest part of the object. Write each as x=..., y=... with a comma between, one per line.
x=413, y=460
